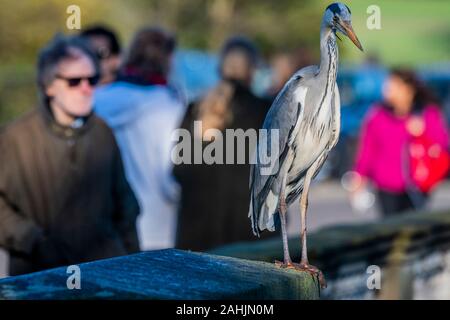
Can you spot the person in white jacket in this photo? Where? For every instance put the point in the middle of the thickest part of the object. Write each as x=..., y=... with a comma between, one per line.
x=143, y=111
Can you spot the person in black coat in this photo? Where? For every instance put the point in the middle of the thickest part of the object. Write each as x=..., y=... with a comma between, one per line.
x=64, y=196
x=215, y=197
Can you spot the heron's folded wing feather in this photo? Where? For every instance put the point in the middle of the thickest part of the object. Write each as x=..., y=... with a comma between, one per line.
x=283, y=116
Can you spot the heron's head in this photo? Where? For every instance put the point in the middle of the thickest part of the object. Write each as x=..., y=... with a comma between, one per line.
x=338, y=17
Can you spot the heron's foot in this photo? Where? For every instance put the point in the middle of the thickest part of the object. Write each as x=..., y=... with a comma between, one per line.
x=305, y=267
x=314, y=271
x=284, y=265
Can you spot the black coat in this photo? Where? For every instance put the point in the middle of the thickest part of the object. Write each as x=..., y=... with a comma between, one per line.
x=64, y=198
x=215, y=198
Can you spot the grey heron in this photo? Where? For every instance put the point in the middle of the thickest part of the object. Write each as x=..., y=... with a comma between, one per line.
x=306, y=114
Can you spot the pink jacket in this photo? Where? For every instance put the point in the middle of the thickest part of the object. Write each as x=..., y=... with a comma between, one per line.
x=383, y=141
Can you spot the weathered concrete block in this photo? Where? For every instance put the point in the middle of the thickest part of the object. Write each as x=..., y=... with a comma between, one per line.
x=166, y=274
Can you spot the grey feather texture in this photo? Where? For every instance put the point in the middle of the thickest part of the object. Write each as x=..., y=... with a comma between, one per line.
x=304, y=113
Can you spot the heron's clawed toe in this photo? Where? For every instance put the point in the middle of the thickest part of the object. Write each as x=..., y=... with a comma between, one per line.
x=305, y=267
x=314, y=271
x=284, y=265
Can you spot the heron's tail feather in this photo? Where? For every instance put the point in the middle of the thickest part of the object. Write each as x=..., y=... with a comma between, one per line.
x=251, y=215
x=264, y=217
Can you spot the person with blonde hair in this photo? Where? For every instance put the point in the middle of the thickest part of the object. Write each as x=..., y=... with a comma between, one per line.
x=214, y=197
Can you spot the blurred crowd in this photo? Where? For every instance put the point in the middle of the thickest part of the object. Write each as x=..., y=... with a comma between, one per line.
x=88, y=173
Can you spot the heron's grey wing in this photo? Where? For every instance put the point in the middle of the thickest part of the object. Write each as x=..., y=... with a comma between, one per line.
x=283, y=116
x=273, y=145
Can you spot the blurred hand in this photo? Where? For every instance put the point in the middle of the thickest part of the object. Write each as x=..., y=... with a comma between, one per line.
x=358, y=186
x=360, y=196
x=213, y=119
x=214, y=110
x=415, y=126
x=353, y=182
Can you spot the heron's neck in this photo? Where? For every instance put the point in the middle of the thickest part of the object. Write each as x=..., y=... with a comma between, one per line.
x=328, y=55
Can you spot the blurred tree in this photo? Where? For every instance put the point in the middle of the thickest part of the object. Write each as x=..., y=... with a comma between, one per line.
x=412, y=32
x=26, y=25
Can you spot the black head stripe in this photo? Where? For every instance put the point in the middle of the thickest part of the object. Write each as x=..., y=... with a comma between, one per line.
x=349, y=11
x=334, y=8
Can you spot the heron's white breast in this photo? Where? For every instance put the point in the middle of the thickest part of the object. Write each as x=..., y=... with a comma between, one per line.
x=307, y=142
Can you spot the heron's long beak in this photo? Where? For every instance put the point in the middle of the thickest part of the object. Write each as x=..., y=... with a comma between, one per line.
x=351, y=34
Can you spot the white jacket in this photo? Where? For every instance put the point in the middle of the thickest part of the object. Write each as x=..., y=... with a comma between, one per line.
x=143, y=119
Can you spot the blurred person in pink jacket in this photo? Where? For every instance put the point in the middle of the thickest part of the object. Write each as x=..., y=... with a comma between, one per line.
x=408, y=111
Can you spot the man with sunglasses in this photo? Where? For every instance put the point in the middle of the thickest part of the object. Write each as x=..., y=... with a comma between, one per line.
x=64, y=197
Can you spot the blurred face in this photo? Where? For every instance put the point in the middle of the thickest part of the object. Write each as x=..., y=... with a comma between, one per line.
x=283, y=69
x=398, y=94
x=236, y=66
x=71, y=91
x=109, y=62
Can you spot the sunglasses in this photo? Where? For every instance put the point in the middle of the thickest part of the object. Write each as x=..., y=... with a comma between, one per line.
x=74, y=82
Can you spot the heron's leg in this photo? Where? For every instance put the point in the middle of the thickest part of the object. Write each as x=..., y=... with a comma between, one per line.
x=283, y=211
x=303, y=209
x=304, y=263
